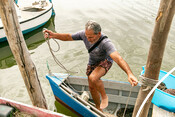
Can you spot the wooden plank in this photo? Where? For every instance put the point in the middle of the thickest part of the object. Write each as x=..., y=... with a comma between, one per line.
x=158, y=112
x=107, y=84
x=95, y=110
x=109, y=115
x=121, y=99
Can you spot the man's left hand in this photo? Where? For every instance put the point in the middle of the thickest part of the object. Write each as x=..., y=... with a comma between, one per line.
x=133, y=80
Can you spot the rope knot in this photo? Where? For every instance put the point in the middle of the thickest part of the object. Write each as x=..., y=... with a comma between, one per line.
x=147, y=82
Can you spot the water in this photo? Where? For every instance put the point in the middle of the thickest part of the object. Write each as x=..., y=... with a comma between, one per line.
x=128, y=23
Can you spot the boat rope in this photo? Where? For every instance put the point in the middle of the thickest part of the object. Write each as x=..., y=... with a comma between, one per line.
x=68, y=85
x=127, y=101
x=153, y=89
x=53, y=55
x=58, y=62
x=149, y=83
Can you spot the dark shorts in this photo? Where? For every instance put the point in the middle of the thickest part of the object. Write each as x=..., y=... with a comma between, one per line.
x=105, y=64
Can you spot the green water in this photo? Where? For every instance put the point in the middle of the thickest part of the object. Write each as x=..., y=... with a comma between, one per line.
x=128, y=23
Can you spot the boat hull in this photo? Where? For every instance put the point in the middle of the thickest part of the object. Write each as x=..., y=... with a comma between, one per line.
x=68, y=99
x=35, y=111
x=117, y=92
x=28, y=24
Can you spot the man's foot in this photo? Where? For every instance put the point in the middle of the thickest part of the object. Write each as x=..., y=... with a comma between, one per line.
x=100, y=109
x=104, y=103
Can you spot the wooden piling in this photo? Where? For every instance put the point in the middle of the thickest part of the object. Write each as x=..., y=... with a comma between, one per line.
x=19, y=49
x=159, y=38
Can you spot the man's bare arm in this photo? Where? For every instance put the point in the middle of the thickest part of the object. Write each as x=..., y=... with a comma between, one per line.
x=60, y=36
x=123, y=65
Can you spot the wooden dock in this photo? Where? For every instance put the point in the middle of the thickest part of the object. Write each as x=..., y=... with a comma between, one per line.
x=158, y=112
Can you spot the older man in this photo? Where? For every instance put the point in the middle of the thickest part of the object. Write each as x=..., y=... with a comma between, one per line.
x=102, y=53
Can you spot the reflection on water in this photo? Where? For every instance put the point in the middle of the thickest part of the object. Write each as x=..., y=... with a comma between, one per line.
x=62, y=109
x=32, y=39
x=128, y=23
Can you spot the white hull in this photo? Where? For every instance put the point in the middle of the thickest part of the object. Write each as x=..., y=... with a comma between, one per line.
x=30, y=19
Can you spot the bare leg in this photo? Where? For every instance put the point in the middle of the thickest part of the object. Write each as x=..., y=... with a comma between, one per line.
x=96, y=86
x=95, y=95
x=101, y=89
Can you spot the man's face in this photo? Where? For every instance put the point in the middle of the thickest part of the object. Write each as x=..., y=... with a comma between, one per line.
x=91, y=37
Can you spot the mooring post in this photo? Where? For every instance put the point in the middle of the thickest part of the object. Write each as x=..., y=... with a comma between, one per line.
x=159, y=38
x=19, y=49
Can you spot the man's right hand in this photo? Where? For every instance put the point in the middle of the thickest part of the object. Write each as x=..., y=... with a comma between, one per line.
x=61, y=36
x=48, y=34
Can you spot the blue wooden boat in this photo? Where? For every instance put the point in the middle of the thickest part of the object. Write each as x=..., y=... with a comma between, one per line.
x=162, y=99
x=69, y=91
x=31, y=16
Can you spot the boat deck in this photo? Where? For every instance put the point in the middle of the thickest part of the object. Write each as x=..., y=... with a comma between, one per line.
x=26, y=14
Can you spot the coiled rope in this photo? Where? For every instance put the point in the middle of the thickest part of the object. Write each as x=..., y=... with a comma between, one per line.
x=53, y=55
x=58, y=62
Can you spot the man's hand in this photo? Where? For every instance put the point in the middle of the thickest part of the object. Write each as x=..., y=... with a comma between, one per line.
x=48, y=34
x=133, y=80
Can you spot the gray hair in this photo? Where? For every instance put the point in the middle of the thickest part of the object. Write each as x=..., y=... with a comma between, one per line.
x=94, y=26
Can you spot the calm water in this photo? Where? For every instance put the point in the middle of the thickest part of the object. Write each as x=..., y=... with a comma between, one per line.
x=129, y=24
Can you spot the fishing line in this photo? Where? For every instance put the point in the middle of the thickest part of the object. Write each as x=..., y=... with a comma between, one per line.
x=52, y=52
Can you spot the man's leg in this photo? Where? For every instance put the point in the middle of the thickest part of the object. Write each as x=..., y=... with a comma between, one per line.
x=96, y=86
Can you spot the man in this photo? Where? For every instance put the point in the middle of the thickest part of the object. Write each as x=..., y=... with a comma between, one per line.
x=100, y=59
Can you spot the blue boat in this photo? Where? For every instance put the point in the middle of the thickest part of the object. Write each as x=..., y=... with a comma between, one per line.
x=70, y=90
x=162, y=99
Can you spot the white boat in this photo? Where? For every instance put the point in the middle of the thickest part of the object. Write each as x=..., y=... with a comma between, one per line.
x=33, y=40
x=31, y=15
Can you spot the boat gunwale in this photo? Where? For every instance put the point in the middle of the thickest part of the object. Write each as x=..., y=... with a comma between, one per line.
x=29, y=109
x=113, y=82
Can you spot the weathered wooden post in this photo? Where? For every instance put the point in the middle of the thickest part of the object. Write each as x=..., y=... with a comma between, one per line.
x=20, y=52
x=159, y=38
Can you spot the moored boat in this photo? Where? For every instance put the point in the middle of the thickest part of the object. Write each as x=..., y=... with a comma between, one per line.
x=68, y=90
x=31, y=16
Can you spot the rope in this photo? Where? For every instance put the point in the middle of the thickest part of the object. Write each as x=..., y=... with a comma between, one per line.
x=127, y=101
x=148, y=82
x=68, y=85
x=58, y=62
x=53, y=55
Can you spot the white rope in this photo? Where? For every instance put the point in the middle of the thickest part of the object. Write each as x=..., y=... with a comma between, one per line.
x=154, y=88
